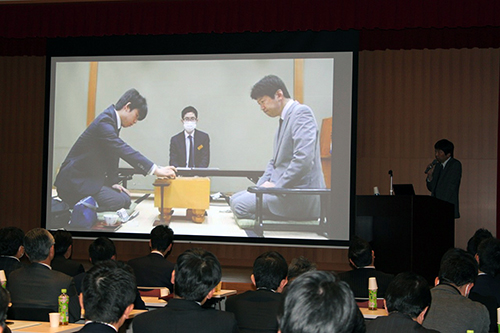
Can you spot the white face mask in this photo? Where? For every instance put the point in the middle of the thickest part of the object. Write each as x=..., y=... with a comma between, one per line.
x=189, y=126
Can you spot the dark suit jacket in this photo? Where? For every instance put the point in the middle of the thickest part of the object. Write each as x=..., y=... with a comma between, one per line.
x=180, y=316
x=358, y=281
x=201, y=150
x=446, y=183
x=9, y=264
x=395, y=323
x=486, y=291
x=153, y=270
x=37, y=286
x=66, y=266
x=256, y=310
x=97, y=327
x=93, y=160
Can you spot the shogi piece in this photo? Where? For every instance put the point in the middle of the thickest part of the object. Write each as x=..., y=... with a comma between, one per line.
x=192, y=193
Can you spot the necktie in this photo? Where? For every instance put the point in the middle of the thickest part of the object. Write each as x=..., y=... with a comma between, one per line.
x=191, y=152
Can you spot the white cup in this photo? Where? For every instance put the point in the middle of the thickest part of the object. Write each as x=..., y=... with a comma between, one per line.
x=55, y=318
x=110, y=219
x=372, y=283
x=376, y=191
x=3, y=279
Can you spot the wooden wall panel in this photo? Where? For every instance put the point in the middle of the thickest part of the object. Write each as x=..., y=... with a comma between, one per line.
x=409, y=99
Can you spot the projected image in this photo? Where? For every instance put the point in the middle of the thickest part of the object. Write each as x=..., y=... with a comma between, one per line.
x=191, y=141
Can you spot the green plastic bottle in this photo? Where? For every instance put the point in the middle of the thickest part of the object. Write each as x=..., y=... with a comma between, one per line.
x=64, y=307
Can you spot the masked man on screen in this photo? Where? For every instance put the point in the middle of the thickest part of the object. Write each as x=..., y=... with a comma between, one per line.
x=91, y=167
x=296, y=157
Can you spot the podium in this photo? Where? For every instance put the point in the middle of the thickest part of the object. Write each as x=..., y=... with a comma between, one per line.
x=407, y=232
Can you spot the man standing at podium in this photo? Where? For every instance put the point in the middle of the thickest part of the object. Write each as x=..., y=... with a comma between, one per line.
x=444, y=174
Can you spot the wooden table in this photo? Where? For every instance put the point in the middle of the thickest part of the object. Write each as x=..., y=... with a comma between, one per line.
x=40, y=327
x=153, y=302
x=372, y=314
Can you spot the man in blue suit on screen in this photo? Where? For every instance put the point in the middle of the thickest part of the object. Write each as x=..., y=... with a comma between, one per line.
x=91, y=167
x=296, y=157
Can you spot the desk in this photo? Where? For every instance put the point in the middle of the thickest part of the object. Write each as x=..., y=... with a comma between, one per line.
x=223, y=293
x=40, y=327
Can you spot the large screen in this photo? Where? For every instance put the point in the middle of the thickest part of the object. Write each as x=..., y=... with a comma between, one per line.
x=89, y=154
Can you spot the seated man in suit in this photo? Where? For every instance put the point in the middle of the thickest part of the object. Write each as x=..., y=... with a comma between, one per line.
x=408, y=298
x=195, y=277
x=476, y=239
x=319, y=302
x=257, y=310
x=63, y=250
x=11, y=249
x=299, y=266
x=108, y=294
x=103, y=249
x=154, y=270
x=296, y=157
x=486, y=288
x=91, y=166
x=451, y=310
x=361, y=258
x=37, y=285
x=191, y=147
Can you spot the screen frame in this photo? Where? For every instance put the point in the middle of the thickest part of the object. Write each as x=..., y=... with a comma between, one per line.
x=197, y=44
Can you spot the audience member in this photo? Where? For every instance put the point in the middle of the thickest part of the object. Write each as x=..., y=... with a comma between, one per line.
x=108, y=293
x=11, y=249
x=4, y=306
x=299, y=266
x=451, y=310
x=63, y=250
x=37, y=285
x=154, y=270
x=196, y=274
x=476, y=239
x=486, y=289
x=256, y=311
x=319, y=302
x=103, y=249
x=361, y=258
x=408, y=299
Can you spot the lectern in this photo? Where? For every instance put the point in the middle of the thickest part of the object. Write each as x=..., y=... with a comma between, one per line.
x=407, y=232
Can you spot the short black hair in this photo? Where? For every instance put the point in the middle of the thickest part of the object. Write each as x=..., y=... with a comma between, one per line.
x=63, y=241
x=11, y=238
x=269, y=269
x=4, y=306
x=101, y=249
x=161, y=237
x=480, y=235
x=446, y=146
x=299, y=266
x=189, y=109
x=136, y=102
x=319, y=302
x=197, y=272
x=108, y=289
x=37, y=243
x=360, y=252
x=408, y=293
x=457, y=267
x=268, y=86
x=489, y=256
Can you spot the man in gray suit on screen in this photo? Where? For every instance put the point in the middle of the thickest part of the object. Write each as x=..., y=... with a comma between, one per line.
x=296, y=157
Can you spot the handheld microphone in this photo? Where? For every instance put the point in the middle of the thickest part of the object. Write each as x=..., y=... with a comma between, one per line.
x=430, y=166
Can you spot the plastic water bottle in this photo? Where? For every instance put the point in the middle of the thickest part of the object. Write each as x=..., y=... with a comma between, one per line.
x=64, y=307
x=372, y=293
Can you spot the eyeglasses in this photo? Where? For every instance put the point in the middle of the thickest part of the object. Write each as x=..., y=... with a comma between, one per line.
x=190, y=119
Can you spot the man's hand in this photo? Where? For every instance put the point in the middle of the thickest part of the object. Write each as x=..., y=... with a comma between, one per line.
x=120, y=189
x=267, y=184
x=430, y=172
x=167, y=172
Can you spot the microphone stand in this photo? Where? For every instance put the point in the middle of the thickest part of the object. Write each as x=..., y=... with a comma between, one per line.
x=391, y=192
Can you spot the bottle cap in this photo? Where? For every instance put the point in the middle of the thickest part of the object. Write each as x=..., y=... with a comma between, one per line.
x=63, y=291
x=372, y=283
x=498, y=316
